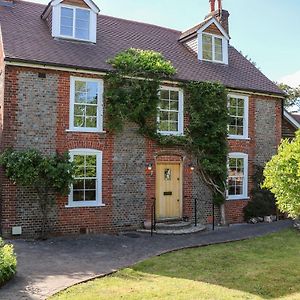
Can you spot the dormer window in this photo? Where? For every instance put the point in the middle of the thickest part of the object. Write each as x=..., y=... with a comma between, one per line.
x=75, y=22
x=213, y=42
x=212, y=48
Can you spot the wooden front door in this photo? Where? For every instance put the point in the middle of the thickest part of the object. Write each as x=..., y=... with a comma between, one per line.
x=168, y=191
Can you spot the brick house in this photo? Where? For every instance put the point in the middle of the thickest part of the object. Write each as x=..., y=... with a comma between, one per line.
x=53, y=61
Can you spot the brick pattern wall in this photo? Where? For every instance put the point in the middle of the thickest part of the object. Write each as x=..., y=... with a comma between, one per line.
x=36, y=114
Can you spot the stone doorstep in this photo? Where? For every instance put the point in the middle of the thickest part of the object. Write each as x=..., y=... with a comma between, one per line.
x=172, y=225
x=181, y=231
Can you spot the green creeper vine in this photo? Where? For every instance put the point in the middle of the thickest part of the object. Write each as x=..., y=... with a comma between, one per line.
x=132, y=94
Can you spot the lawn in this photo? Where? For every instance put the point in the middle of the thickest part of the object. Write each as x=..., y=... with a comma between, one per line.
x=261, y=268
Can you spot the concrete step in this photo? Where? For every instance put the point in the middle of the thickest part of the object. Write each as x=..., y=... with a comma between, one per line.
x=172, y=225
x=178, y=231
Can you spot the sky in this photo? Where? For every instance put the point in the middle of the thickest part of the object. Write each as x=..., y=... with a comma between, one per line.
x=267, y=31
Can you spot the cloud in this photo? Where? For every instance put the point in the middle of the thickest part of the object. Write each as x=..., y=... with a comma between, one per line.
x=292, y=80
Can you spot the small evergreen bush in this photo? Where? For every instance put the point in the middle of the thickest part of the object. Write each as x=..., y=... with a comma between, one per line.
x=8, y=262
x=263, y=201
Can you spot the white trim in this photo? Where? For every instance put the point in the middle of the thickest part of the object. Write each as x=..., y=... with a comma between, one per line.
x=99, y=127
x=244, y=196
x=291, y=119
x=224, y=37
x=245, y=135
x=56, y=23
x=219, y=26
x=89, y=3
x=180, y=112
x=98, y=202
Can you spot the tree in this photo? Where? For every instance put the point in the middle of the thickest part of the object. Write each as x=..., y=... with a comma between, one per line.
x=282, y=176
x=293, y=95
x=46, y=174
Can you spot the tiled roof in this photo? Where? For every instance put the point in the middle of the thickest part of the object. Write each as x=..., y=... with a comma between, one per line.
x=26, y=37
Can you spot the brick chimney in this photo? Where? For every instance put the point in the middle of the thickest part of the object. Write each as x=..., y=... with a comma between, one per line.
x=220, y=14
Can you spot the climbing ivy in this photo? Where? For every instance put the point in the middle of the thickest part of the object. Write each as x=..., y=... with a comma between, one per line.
x=132, y=93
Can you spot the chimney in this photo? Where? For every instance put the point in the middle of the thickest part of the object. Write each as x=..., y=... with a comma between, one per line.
x=220, y=14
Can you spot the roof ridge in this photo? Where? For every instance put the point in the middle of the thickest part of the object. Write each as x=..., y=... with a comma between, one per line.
x=140, y=22
x=112, y=17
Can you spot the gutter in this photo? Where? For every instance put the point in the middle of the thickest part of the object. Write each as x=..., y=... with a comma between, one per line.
x=94, y=71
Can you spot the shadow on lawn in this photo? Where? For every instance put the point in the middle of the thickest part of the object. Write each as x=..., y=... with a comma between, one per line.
x=268, y=267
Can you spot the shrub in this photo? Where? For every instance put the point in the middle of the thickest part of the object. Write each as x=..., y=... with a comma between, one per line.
x=8, y=262
x=282, y=176
x=263, y=201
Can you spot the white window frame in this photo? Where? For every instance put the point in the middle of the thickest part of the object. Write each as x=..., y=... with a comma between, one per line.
x=245, y=135
x=98, y=202
x=243, y=156
x=99, y=127
x=74, y=9
x=56, y=22
x=180, y=130
x=225, y=41
x=214, y=36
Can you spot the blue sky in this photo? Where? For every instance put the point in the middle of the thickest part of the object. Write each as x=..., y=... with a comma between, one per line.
x=268, y=31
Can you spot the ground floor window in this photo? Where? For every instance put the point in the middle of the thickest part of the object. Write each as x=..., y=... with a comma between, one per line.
x=237, y=176
x=86, y=189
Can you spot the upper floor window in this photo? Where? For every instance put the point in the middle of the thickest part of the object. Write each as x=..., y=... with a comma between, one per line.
x=237, y=176
x=86, y=104
x=170, y=117
x=75, y=22
x=238, y=116
x=212, y=48
x=213, y=42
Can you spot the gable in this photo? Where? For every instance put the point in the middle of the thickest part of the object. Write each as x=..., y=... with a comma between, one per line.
x=213, y=29
x=79, y=3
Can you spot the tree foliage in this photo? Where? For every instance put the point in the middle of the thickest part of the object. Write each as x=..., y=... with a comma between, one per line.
x=292, y=95
x=282, y=176
x=46, y=174
x=132, y=94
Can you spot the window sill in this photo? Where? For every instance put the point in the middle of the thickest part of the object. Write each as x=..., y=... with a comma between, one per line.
x=84, y=205
x=238, y=138
x=86, y=131
x=238, y=198
x=169, y=133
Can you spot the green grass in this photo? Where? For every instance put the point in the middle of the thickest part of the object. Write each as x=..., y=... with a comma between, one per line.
x=261, y=268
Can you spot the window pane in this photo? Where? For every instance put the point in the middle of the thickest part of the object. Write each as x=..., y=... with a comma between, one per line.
x=79, y=110
x=163, y=126
x=82, y=24
x=164, y=116
x=173, y=116
x=173, y=126
x=174, y=105
x=236, y=176
x=78, y=184
x=92, y=92
x=66, y=26
x=90, y=196
x=164, y=104
x=90, y=184
x=78, y=121
x=218, y=49
x=164, y=94
x=91, y=111
x=91, y=122
x=236, y=113
x=207, y=47
x=78, y=195
x=174, y=95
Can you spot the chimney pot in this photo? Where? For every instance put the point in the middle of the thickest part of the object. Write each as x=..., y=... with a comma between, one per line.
x=212, y=5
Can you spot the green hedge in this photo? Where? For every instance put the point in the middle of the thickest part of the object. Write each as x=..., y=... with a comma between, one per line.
x=8, y=262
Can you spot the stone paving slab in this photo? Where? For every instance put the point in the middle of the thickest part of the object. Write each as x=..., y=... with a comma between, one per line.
x=46, y=267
